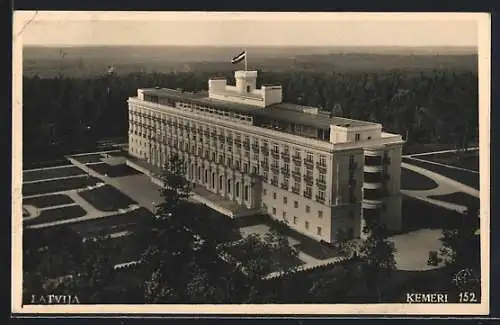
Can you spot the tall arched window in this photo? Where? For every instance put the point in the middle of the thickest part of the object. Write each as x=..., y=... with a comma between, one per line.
x=220, y=182
x=206, y=176
x=229, y=186
x=213, y=180
x=237, y=189
x=245, y=193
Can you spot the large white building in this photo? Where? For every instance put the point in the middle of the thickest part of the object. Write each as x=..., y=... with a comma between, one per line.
x=319, y=173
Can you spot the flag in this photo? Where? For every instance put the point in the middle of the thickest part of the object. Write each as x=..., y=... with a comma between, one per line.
x=239, y=57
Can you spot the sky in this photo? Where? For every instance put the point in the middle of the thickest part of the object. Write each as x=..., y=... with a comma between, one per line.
x=247, y=29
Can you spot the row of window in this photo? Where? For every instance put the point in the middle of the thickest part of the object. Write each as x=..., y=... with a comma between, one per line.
x=239, y=138
x=162, y=100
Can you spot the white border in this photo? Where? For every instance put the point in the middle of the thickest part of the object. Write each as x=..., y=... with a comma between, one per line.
x=484, y=65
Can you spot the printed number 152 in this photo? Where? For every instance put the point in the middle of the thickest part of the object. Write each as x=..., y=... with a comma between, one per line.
x=467, y=297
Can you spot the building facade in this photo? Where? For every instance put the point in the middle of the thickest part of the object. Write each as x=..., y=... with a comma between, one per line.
x=316, y=172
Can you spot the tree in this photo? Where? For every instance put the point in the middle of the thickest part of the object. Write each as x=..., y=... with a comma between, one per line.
x=174, y=242
x=461, y=245
x=377, y=252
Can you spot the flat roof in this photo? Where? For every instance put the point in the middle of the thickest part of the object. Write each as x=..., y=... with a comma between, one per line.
x=282, y=112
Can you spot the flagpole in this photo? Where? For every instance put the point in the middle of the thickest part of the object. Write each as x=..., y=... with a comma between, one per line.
x=246, y=65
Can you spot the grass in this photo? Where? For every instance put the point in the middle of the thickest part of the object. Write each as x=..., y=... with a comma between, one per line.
x=107, y=198
x=58, y=185
x=37, y=175
x=48, y=200
x=464, y=177
x=90, y=158
x=467, y=160
x=460, y=198
x=51, y=215
x=111, y=223
x=417, y=214
x=113, y=170
x=428, y=147
x=411, y=180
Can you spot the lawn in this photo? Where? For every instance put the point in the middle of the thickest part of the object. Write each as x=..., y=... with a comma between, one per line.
x=48, y=200
x=111, y=223
x=113, y=170
x=58, y=185
x=417, y=214
x=460, y=198
x=428, y=147
x=411, y=180
x=36, y=175
x=468, y=160
x=87, y=159
x=107, y=198
x=464, y=177
x=51, y=215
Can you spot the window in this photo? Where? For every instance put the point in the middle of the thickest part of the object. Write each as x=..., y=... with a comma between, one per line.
x=220, y=182
x=206, y=176
x=229, y=186
x=264, y=192
x=285, y=200
x=307, y=225
x=274, y=211
x=322, y=177
x=237, y=189
x=274, y=195
x=308, y=209
x=295, y=204
x=320, y=214
x=321, y=195
x=246, y=193
x=294, y=220
x=248, y=89
x=318, y=231
x=284, y=215
x=357, y=136
x=322, y=160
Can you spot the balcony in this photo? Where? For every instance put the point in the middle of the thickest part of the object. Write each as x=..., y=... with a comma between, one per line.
x=321, y=167
x=285, y=156
x=275, y=154
x=264, y=166
x=285, y=171
x=246, y=145
x=321, y=184
x=296, y=175
x=206, y=133
x=275, y=169
x=295, y=190
x=284, y=186
x=308, y=179
x=264, y=149
x=309, y=163
x=255, y=148
x=237, y=143
x=274, y=182
x=229, y=140
x=307, y=194
x=221, y=138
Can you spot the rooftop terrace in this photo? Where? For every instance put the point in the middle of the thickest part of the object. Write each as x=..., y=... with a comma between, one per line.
x=288, y=112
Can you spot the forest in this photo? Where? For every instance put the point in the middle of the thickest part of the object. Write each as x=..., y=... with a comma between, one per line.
x=67, y=113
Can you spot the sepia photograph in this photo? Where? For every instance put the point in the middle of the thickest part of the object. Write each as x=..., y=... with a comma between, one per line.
x=251, y=163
